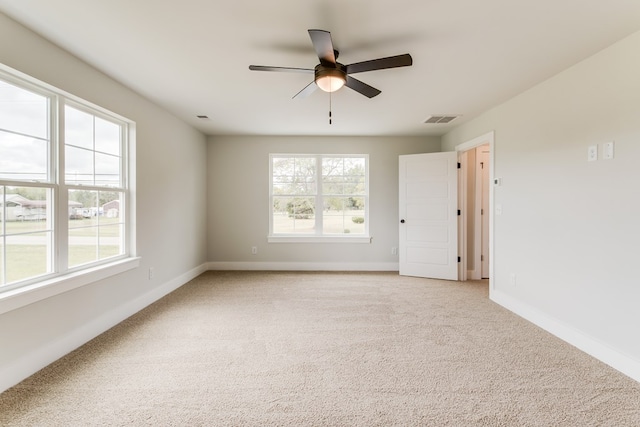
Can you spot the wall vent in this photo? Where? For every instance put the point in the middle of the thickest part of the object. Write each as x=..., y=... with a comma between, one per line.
x=202, y=117
x=441, y=119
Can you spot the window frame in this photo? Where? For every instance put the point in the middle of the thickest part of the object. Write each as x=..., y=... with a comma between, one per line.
x=61, y=278
x=319, y=197
x=123, y=187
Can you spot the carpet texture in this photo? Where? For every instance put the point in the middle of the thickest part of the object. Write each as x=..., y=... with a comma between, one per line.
x=324, y=349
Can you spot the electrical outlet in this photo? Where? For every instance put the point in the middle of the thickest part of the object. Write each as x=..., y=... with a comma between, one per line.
x=607, y=150
x=512, y=279
x=151, y=273
x=394, y=251
x=592, y=153
x=254, y=250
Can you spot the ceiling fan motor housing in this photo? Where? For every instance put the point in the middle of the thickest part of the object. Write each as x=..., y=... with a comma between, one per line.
x=326, y=75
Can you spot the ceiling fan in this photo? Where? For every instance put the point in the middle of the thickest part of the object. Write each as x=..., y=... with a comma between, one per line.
x=330, y=75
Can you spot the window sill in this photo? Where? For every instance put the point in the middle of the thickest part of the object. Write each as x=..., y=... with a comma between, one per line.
x=20, y=297
x=318, y=239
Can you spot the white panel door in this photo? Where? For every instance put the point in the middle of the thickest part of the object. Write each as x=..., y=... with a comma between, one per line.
x=428, y=244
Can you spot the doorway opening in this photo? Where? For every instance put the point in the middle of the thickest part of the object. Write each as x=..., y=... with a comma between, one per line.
x=475, y=239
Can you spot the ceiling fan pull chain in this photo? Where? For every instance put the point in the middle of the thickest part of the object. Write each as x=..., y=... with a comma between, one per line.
x=329, y=107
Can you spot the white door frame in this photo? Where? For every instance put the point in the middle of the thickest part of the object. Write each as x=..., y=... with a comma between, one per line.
x=487, y=138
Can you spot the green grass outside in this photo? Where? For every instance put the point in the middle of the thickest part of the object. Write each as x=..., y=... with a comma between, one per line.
x=25, y=261
x=109, y=227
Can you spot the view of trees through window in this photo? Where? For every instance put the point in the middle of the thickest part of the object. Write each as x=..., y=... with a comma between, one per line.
x=318, y=194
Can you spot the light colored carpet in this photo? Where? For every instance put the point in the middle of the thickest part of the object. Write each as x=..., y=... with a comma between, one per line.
x=324, y=349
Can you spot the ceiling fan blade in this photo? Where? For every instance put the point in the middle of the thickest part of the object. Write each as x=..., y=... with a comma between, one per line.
x=380, y=64
x=324, y=47
x=308, y=90
x=362, y=88
x=285, y=69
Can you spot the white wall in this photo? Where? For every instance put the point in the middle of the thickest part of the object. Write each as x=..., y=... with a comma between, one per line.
x=238, y=202
x=171, y=182
x=570, y=228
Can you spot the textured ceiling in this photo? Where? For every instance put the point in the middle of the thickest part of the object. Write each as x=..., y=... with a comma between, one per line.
x=192, y=56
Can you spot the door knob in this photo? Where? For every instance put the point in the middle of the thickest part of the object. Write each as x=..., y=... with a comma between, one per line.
x=402, y=221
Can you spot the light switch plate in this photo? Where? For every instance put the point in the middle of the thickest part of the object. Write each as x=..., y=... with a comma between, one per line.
x=592, y=153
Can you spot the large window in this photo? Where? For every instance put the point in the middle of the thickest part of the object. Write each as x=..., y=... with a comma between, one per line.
x=319, y=197
x=63, y=183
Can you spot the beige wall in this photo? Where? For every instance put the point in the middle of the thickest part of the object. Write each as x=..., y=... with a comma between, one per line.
x=171, y=180
x=238, y=207
x=570, y=228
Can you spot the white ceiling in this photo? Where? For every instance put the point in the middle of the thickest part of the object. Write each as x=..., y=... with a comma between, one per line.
x=192, y=56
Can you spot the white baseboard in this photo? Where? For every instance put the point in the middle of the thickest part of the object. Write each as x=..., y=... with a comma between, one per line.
x=593, y=347
x=31, y=363
x=304, y=266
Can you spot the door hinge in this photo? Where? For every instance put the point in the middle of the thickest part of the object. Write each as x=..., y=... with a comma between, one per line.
x=459, y=259
x=458, y=212
x=481, y=211
x=481, y=165
x=481, y=257
x=459, y=165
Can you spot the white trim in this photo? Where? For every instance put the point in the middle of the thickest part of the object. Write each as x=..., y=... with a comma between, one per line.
x=593, y=347
x=318, y=239
x=25, y=295
x=304, y=266
x=463, y=171
x=34, y=361
x=476, y=142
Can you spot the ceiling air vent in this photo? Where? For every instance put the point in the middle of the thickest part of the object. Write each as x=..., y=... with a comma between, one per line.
x=440, y=119
x=202, y=117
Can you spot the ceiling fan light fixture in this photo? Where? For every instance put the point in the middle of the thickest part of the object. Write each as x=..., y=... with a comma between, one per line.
x=330, y=79
x=330, y=83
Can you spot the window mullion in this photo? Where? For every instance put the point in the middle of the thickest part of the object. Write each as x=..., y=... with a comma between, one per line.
x=319, y=202
x=51, y=205
x=61, y=235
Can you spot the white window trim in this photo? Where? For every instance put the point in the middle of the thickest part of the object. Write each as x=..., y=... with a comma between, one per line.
x=318, y=238
x=51, y=285
x=24, y=295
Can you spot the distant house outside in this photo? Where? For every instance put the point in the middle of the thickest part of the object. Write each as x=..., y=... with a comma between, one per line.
x=111, y=209
x=19, y=208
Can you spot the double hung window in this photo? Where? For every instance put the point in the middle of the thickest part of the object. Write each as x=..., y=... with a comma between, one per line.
x=319, y=197
x=64, y=183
